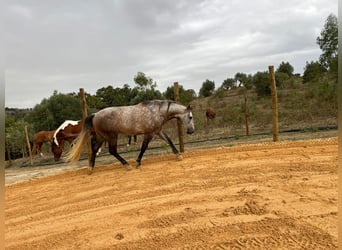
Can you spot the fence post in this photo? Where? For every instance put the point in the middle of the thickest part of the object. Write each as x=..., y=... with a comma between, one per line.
x=84, y=115
x=179, y=122
x=8, y=150
x=274, y=104
x=28, y=144
x=246, y=115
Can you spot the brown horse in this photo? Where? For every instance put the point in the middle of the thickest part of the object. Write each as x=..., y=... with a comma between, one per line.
x=67, y=131
x=210, y=114
x=147, y=118
x=39, y=138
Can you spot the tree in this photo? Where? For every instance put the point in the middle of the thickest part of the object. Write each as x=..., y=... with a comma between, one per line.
x=146, y=95
x=94, y=102
x=328, y=43
x=106, y=95
x=15, y=137
x=261, y=81
x=146, y=89
x=241, y=79
x=228, y=84
x=207, y=88
x=285, y=67
x=312, y=70
x=144, y=82
x=280, y=78
x=116, y=96
x=185, y=96
x=249, y=83
x=51, y=112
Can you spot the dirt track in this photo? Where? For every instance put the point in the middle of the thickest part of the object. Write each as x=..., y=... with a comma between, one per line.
x=263, y=196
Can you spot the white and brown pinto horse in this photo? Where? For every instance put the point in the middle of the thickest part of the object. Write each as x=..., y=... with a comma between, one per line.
x=146, y=118
x=67, y=131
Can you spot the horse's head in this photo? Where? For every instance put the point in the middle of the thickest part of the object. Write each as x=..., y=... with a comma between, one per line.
x=183, y=113
x=57, y=149
x=188, y=120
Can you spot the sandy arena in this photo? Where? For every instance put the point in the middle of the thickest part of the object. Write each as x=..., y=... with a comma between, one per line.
x=259, y=196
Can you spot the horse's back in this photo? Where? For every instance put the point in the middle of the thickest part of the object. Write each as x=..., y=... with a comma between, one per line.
x=43, y=135
x=129, y=120
x=74, y=129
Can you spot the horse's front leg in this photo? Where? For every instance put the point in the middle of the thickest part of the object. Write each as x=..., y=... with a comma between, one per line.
x=144, y=146
x=39, y=149
x=112, y=145
x=165, y=137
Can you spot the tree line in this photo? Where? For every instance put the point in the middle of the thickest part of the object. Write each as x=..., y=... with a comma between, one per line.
x=52, y=111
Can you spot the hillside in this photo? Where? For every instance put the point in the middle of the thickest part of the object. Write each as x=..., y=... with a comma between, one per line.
x=301, y=106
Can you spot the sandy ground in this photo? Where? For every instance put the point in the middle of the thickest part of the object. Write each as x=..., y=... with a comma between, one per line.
x=259, y=196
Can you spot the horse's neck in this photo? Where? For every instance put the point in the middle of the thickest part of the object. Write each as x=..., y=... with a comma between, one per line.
x=175, y=110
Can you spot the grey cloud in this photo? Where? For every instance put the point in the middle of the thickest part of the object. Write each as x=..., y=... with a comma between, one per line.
x=64, y=45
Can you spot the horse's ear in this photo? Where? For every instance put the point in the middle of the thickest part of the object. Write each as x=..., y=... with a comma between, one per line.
x=189, y=107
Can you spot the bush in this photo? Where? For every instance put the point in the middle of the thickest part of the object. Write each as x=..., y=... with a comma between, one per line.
x=261, y=82
x=312, y=71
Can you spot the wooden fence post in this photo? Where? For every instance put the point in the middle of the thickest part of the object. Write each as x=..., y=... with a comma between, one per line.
x=274, y=103
x=8, y=150
x=84, y=115
x=28, y=144
x=246, y=115
x=179, y=122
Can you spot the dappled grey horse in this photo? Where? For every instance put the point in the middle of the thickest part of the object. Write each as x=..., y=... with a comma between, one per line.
x=146, y=118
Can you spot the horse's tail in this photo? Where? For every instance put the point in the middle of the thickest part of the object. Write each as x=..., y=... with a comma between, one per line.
x=75, y=152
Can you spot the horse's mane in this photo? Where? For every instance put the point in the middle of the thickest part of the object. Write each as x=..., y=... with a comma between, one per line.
x=61, y=127
x=153, y=102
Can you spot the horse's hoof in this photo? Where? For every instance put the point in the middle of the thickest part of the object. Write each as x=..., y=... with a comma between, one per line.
x=128, y=167
x=90, y=170
x=179, y=157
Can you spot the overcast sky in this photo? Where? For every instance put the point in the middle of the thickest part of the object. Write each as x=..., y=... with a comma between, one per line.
x=65, y=45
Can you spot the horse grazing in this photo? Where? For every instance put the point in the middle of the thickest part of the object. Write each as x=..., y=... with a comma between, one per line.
x=39, y=138
x=210, y=114
x=67, y=131
x=146, y=118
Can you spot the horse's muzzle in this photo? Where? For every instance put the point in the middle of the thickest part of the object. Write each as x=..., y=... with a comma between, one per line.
x=190, y=131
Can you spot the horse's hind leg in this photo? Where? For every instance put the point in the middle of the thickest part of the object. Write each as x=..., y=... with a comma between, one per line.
x=96, y=143
x=146, y=141
x=34, y=149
